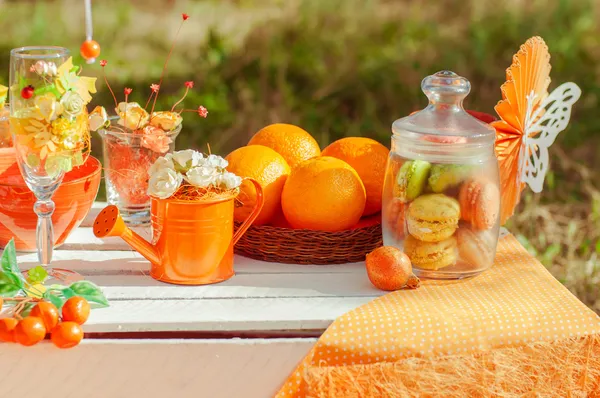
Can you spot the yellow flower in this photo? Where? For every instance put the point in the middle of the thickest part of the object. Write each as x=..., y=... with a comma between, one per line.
x=166, y=120
x=61, y=127
x=132, y=115
x=98, y=118
x=48, y=107
x=68, y=80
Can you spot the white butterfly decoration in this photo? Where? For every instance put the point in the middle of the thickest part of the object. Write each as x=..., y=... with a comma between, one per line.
x=542, y=126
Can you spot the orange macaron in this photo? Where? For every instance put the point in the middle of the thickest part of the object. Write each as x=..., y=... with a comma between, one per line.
x=479, y=203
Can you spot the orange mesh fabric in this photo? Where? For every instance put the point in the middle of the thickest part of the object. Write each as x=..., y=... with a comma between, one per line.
x=512, y=330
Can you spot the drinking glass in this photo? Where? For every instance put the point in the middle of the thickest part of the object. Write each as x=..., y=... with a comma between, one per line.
x=47, y=132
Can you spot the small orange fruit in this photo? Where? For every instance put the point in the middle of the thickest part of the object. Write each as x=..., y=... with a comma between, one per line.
x=390, y=269
x=269, y=169
x=76, y=309
x=66, y=334
x=47, y=312
x=369, y=158
x=291, y=142
x=30, y=331
x=7, y=329
x=323, y=194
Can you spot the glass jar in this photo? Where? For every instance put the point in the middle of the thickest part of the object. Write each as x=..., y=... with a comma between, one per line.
x=441, y=198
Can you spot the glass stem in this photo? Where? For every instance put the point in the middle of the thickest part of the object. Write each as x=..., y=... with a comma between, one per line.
x=44, y=231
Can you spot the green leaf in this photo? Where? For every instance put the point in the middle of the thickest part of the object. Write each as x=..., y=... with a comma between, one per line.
x=56, y=297
x=57, y=164
x=37, y=275
x=77, y=159
x=90, y=292
x=9, y=258
x=10, y=284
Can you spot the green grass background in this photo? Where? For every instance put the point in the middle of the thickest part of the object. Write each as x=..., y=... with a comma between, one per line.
x=350, y=68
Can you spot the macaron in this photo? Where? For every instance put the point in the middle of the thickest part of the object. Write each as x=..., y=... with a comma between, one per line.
x=445, y=176
x=411, y=179
x=479, y=203
x=476, y=247
x=433, y=217
x=431, y=255
x=396, y=218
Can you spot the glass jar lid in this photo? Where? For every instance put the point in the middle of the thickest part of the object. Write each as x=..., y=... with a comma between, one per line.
x=445, y=116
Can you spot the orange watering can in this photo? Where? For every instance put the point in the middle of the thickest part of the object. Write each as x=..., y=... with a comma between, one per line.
x=192, y=240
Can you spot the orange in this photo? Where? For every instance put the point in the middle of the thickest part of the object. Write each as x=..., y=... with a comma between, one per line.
x=291, y=142
x=7, y=329
x=30, y=331
x=66, y=334
x=324, y=194
x=369, y=158
x=269, y=169
x=76, y=309
x=279, y=219
x=388, y=268
x=47, y=312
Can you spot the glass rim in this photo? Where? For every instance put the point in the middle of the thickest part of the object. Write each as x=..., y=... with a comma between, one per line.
x=53, y=52
x=121, y=131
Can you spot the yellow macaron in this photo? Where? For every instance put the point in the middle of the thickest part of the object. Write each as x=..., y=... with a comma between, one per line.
x=431, y=255
x=433, y=218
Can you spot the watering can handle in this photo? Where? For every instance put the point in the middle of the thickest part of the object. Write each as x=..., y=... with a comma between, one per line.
x=260, y=200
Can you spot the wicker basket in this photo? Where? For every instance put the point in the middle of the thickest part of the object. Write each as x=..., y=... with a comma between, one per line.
x=303, y=246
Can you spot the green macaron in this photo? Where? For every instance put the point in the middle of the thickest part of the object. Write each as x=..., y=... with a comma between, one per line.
x=411, y=179
x=445, y=176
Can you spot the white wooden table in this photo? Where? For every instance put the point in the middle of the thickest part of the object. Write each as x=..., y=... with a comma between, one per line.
x=239, y=338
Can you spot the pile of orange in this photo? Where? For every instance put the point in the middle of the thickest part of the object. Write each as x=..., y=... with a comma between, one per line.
x=64, y=327
x=336, y=189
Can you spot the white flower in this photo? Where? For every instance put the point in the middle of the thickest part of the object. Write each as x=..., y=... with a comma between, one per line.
x=228, y=181
x=202, y=176
x=164, y=183
x=185, y=160
x=72, y=103
x=162, y=163
x=216, y=161
x=98, y=118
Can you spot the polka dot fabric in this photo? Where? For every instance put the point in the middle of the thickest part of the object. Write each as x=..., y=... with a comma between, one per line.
x=514, y=303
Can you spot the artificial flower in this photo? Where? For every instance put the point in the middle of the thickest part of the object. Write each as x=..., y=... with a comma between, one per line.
x=48, y=106
x=163, y=162
x=72, y=104
x=62, y=127
x=216, y=161
x=68, y=80
x=154, y=87
x=164, y=183
x=98, y=118
x=167, y=121
x=187, y=159
x=132, y=115
x=155, y=139
x=228, y=181
x=202, y=176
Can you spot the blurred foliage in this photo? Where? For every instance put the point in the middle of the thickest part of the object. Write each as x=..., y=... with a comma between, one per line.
x=350, y=67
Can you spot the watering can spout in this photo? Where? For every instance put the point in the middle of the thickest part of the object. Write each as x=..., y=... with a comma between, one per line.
x=110, y=223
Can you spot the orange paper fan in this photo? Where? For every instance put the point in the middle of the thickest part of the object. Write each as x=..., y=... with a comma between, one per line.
x=529, y=72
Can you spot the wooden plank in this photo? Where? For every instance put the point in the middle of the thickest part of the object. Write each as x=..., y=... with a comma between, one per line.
x=129, y=262
x=230, y=315
x=151, y=368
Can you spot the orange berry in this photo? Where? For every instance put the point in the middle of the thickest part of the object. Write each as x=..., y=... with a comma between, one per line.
x=30, y=331
x=47, y=312
x=390, y=269
x=76, y=309
x=90, y=49
x=7, y=329
x=66, y=334
x=1, y=302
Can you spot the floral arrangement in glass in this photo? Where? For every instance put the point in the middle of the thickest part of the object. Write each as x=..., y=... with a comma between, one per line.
x=49, y=119
x=189, y=175
x=133, y=139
